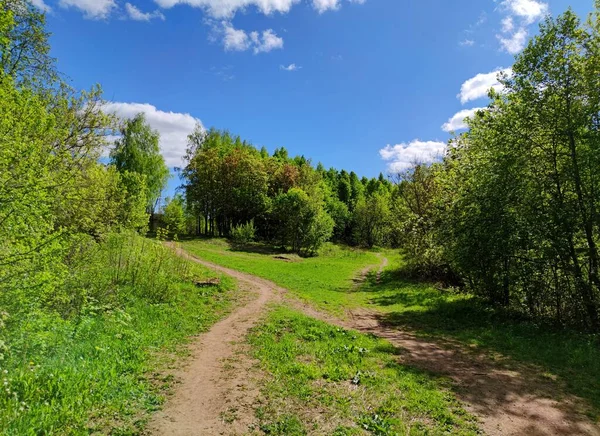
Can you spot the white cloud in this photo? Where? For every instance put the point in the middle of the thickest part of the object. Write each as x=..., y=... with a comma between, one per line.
x=267, y=42
x=234, y=39
x=228, y=8
x=457, y=122
x=41, y=5
x=238, y=40
x=325, y=5
x=290, y=67
x=508, y=24
x=519, y=15
x=92, y=9
x=478, y=87
x=467, y=43
x=528, y=10
x=514, y=43
x=172, y=126
x=402, y=156
x=137, y=15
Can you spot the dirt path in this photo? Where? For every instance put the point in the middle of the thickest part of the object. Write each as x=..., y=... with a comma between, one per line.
x=513, y=401
x=218, y=390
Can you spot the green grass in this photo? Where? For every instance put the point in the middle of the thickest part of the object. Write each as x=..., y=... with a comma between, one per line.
x=327, y=380
x=323, y=280
x=103, y=370
x=326, y=281
x=569, y=356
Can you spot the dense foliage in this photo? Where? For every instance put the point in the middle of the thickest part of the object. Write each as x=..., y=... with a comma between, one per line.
x=80, y=291
x=513, y=208
x=229, y=183
x=510, y=214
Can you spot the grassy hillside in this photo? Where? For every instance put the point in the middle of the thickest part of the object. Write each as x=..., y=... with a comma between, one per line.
x=102, y=369
x=323, y=280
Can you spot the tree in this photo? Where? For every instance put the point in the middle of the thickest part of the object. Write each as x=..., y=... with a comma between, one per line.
x=24, y=47
x=371, y=220
x=303, y=224
x=138, y=151
x=174, y=215
x=520, y=188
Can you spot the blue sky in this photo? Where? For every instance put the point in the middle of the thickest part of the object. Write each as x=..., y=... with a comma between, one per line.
x=364, y=85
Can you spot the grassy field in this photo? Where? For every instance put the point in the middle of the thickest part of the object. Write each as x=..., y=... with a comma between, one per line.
x=568, y=356
x=330, y=381
x=323, y=280
x=565, y=355
x=102, y=371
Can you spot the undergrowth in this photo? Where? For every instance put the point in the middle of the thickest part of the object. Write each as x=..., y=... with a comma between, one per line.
x=92, y=361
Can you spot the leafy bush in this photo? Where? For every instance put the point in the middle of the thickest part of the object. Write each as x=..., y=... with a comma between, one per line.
x=243, y=233
x=174, y=216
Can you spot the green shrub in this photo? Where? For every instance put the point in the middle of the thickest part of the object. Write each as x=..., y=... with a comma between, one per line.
x=243, y=233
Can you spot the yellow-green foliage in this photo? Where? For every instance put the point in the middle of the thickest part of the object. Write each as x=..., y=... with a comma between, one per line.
x=68, y=371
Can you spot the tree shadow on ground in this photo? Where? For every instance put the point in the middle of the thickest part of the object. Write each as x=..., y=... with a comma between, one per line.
x=408, y=305
x=257, y=248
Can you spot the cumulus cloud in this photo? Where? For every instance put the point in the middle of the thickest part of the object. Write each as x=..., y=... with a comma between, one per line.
x=520, y=14
x=528, y=10
x=135, y=14
x=266, y=42
x=325, y=5
x=467, y=43
x=239, y=40
x=508, y=24
x=400, y=157
x=226, y=9
x=92, y=9
x=173, y=127
x=515, y=42
x=478, y=87
x=457, y=122
x=234, y=39
x=290, y=67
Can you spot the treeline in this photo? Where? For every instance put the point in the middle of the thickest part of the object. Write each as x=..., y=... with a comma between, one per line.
x=234, y=189
x=511, y=213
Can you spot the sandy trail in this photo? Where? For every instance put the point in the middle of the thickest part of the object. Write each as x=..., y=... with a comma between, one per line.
x=217, y=390
x=513, y=401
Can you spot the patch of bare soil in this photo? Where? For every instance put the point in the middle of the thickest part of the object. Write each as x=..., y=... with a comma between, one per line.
x=508, y=399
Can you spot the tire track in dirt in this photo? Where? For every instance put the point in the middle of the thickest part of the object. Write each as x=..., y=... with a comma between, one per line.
x=507, y=401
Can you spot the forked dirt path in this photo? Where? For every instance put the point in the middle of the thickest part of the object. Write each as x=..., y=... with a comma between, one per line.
x=508, y=400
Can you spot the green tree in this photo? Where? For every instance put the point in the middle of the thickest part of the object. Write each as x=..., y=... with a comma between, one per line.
x=174, y=215
x=24, y=46
x=303, y=223
x=371, y=220
x=138, y=151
